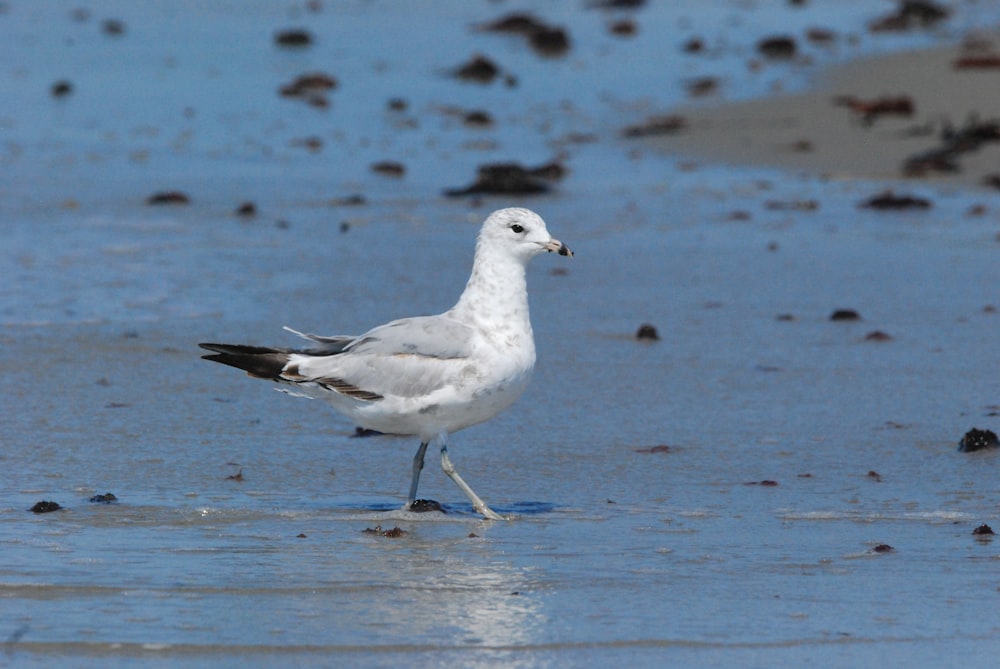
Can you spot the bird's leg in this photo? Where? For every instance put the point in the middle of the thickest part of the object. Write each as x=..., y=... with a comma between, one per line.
x=418, y=464
x=477, y=503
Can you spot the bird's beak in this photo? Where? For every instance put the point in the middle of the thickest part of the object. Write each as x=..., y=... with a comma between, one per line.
x=556, y=246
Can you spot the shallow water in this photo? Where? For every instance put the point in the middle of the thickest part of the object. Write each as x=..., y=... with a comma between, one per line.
x=620, y=552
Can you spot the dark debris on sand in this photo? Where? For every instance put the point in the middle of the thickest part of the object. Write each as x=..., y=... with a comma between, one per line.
x=479, y=69
x=312, y=88
x=954, y=143
x=426, y=506
x=888, y=200
x=869, y=110
x=545, y=39
x=656, y=125
x=910, y=14
x=647, y=332
x=511, y=179
x=845, y=315
x=978, y=440
x=45, y=506
x=394, y=533
x=170, y=197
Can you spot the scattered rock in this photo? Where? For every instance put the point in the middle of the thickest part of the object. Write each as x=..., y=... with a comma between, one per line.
x=293, y=37
x=170, y=197
x=883, y=548
x=389, y=168
x=543, y=38
x=954, y=143
x=977, y=440
x=648, y=332
x=61, y=88
x=113, y=27
x=623, y=28
x=397, y=104
x=425, y=506
x=983, y=529
x=989, y=62
x=910, y=14
x=479, y=69
x=820, y=35
x=693, y=45
x=238, y=476
x=354, y=200
x=888, y=200
x=702, y=86
x=392, y=534
x=777, y=48
x=792, y=205
x=45, y=507
x=311, y=87
x=878, y=335
x=246, y=209
x=661, y=448
x=616, y=4
x=510, y=179
x=656, y=125
x=768, y=483
x=477, y=118
x=874, y=476
x=106, y=498
x=869, y=110
x=311, y=143
x=845, y=315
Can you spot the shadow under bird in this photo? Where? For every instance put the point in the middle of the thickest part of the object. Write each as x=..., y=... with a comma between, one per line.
x=427, y=376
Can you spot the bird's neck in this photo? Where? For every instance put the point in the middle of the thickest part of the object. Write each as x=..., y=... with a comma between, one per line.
x=496, y=295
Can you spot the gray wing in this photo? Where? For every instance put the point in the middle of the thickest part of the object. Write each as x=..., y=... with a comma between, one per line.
x=405, y=358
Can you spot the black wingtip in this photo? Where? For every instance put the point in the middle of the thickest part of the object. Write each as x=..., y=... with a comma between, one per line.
x=259, y=361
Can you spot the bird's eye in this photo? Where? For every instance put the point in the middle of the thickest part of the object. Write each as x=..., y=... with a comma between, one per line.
x=517, y=228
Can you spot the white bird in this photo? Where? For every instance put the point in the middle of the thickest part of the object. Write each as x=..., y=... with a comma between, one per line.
x=427, y=376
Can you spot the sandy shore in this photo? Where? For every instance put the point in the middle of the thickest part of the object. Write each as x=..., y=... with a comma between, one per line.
x=818, y=133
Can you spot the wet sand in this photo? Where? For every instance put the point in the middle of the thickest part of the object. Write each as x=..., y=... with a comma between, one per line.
x=817, y=134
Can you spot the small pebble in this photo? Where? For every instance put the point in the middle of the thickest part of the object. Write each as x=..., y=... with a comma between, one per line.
x=45, y=506
x=113, y=27
x=61, y=88
x=845, y=315
x=779, y=47
x=392, y=534
x=389, y=168
x=294, y=37
x=647, y=332
x=977, y=440
x=171, y=197
x=425, y=506
x=246, y=210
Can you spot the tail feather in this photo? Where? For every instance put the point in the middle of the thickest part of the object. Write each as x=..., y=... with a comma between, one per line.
x=259, y=361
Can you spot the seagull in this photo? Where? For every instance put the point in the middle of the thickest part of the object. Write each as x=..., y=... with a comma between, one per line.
x=426, y=376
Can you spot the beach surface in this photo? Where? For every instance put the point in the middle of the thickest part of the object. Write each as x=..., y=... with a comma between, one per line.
x=772, y=479
x=818, y=133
